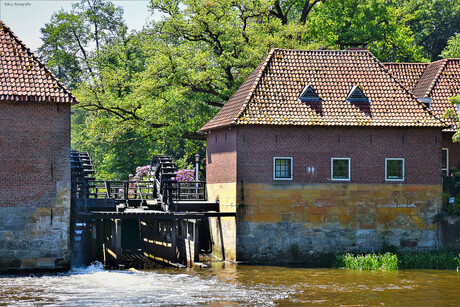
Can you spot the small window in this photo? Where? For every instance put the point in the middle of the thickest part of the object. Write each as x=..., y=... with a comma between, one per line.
x=445, y=162
x=282, y=168
x=340, y=168
x=394, y=169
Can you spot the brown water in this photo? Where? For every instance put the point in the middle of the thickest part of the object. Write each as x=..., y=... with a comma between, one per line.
x=231, y=285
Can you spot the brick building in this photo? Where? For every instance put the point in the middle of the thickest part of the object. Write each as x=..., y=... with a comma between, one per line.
x=34, y=160
x=320, y=152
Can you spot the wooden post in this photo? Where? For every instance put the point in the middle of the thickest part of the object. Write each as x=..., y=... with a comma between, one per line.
x=173, y=241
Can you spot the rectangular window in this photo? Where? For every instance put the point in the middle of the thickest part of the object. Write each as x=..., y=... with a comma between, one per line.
x=340, y=168
x=445, y=162
x=282, y=168
x=394, y=169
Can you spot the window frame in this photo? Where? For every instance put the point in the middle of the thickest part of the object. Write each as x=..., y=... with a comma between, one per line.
x=403, y=169
x=332, y=169
x=446, y=169
x=274, y=168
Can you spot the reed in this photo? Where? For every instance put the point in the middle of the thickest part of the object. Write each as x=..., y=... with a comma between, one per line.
x=443, y=259
x=372, y=262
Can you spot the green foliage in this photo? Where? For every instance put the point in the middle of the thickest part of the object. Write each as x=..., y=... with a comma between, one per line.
x=69, y=36
x=372, y=23
x=372, y=262
x=443, y=259
x=452, y=49
x=432, y=22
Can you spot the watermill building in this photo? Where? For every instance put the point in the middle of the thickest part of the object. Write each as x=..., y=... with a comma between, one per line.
x=34, y=160
x=324, y=152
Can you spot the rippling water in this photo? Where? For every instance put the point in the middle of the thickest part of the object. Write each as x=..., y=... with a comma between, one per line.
x=224, y=285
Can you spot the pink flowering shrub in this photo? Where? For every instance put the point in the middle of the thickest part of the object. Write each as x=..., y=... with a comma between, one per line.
x=142, y=172
x=185, y=175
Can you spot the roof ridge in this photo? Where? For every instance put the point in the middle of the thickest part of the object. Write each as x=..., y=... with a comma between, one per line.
x=406, y=63
x=436, y=77
x=256, y=82
x=322, y=50
x=382, y=66
x=36, y=58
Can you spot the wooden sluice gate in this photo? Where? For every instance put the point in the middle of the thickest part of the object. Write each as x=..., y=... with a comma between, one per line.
x=140, y=223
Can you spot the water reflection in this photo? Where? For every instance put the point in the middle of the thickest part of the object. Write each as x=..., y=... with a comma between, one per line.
x=231, y=285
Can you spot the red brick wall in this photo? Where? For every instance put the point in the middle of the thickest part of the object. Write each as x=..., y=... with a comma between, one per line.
x=367, y=147
x=221, y=156
x=454, y=150
x=34, y=152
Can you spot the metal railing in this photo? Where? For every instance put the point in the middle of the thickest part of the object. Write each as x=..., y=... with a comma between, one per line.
x=174, y=190
x=122, y=189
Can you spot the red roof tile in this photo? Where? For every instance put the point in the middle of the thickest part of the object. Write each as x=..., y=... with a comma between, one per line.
x=407, y=73
x=428, y=79
x=23, y=77
x=446, y=84
x=270, y=95
x=439, y=81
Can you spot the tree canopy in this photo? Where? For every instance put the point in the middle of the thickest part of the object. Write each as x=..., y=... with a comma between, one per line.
x=148, y=92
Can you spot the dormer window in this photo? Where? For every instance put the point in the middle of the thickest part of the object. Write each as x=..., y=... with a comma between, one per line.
x=356, y=95
x=426, y=102
x=309, y=95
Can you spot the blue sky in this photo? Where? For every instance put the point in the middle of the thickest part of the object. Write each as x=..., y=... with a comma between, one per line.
x=26, y=17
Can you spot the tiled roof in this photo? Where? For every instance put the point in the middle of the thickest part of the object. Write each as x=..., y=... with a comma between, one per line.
x=446, y=84
x=270, y=95
x=231, y=109
x=428, y=79
x=439, y=81
x=23, y=77
x=407, y=73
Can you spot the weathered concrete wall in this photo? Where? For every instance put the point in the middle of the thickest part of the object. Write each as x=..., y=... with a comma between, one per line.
x=223, y=230
x=35, y=185
x=286, y=221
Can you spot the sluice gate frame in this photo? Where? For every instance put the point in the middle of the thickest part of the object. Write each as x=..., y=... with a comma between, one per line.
x=132, y=223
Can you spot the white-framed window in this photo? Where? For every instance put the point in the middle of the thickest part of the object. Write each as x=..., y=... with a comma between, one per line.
x=282, y=168
x=445, y=162
x=394, y=169
x=340, y=168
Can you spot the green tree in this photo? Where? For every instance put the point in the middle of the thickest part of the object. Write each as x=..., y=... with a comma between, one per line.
x=433, y=22
x=452, y=50
x=70, y=38
x=372, y=23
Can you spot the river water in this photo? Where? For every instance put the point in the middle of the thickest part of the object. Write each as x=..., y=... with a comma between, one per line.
x=231, y=285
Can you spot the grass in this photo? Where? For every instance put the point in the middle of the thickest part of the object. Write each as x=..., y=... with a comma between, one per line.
x=372, y=262
x=443, y=259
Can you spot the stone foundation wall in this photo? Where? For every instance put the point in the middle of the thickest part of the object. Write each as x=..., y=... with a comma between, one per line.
x=36, y=237
x=288, y=221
